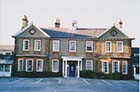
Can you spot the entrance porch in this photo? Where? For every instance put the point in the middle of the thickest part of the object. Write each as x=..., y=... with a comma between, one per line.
x=71, y=66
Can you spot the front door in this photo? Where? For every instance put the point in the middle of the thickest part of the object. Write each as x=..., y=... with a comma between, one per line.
x=72, y=70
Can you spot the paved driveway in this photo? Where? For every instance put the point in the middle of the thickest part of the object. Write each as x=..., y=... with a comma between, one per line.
x=67, y=85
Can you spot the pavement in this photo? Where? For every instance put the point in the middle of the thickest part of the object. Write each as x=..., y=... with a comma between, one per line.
x=67, y=85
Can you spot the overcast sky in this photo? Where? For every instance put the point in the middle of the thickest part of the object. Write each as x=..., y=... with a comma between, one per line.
x=88, y=13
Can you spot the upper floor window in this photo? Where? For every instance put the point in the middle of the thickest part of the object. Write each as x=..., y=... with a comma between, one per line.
x=124, y=67
x=55, y=45
x=119, y=45
x=29, y=65
x=115, y=66
x=108, y=46
x=89, y=46
x=105, y=67
x=37, y=45
x=89, y=65
x=72, y=46
x=39, y=65
x=26, y=45
x=55, y=65
x=20, y=64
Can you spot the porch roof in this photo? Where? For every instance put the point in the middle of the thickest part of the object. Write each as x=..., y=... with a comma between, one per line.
x=72, y=58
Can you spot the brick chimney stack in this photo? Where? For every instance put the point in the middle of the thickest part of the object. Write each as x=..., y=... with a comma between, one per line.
x=24, y=21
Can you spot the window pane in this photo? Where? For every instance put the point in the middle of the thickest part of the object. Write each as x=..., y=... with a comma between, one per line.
x=72, y=46
x=115, y=66
x=37, y=45
x=105, y=67
x=55, y=66
x=89, y=65
x=25, y=45
x=89, y=45
x=20, y=65
x=29, y=65
x=119, y=46
x=55, y=45
x=1, y=67
x=7, y=68
x=124, y=67
x=39, y=66
x=108, y=46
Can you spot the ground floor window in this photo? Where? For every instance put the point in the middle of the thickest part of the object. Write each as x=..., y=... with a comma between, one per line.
x=124, y=67
x=29, y=65
x=55, y=65
x=20, y=64
x=4, y=67
x=1, y=68
x=89, y=65
x=105, y=67
x=39, y=65
x=115, y=66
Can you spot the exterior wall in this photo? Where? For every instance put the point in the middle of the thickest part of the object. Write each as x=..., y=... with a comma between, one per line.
x=48, y=55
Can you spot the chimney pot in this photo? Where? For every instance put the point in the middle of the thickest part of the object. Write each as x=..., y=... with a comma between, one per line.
x=57, y=23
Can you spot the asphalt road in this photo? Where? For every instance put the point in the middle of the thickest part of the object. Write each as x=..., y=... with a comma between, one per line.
x=67, y=85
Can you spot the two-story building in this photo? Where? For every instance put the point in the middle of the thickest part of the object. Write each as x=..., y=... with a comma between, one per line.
x=70, y=51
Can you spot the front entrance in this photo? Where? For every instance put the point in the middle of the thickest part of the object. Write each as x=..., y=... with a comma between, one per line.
x=72, y=70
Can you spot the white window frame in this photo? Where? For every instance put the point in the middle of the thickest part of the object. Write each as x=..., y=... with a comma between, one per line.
x=107, y=47
x=24, y=47
x=27, y=65
x=57, y=44
x=21, y=65
x=126, y=67
x=91, y=66
x=37, y=45
x=113, y=70
x=91, y=42
x=117, y=46
x=55, y=60
x=70, y=46
x=103, y=68
x=40, y=69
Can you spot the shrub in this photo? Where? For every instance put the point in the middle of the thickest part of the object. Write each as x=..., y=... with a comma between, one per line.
x=37, y=74
x=115, y=75
x=87, y=74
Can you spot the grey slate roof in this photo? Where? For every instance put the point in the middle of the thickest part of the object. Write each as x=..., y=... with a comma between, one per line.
x=59, y=34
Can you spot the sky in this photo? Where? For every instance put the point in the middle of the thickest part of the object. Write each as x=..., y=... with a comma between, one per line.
x=88, y=13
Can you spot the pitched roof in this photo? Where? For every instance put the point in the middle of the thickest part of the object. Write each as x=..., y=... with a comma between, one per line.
x=63, y=34
x=78, y=33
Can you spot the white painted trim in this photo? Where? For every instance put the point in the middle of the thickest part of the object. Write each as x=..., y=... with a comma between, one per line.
x=57, y=65
x=126, y=64
x=91, y=46
x=32, y=65
x=19, y=64
x=36, y=45
x=110, y=46
x=117, y=67
x=117, y=46
x=53, y=49
x=23, y=44
x=74, y=46
x=103, y=70
x=72, y=58
x=91, y=61
x=41, y=65
x=28, y=26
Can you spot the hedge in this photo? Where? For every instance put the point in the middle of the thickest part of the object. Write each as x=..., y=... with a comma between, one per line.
x=36, y=74
x=92, y=74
